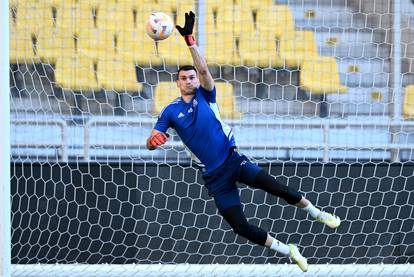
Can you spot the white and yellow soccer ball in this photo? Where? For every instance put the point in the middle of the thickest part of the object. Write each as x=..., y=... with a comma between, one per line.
x=159, y=26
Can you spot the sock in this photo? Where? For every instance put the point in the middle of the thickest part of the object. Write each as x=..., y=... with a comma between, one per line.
x=312, y=210
x=280, y=247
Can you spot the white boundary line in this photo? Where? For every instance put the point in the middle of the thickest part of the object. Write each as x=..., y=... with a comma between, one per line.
x=219, y=270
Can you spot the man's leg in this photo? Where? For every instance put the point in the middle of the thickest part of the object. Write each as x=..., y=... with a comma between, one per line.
x=269, y=184
x=237, y=220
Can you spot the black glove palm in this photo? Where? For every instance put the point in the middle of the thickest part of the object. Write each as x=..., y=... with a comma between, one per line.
x=187, y=30
x=188, y=26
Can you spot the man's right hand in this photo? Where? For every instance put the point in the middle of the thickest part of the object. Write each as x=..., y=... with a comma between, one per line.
x=158, y=139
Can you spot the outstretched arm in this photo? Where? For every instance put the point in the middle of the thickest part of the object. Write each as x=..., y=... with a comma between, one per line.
x=206, y=80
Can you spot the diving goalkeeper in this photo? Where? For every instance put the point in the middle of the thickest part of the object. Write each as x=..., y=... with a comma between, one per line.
x=196, y=118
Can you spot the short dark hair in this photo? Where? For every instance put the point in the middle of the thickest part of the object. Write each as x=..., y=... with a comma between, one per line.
x=185, y=68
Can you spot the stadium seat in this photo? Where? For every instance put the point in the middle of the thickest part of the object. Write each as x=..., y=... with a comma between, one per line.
x=88, y=14
x=408, y=107
x=116, y=74
x=67, y=16
x=165, y=92
x=275, y=19
x=319, y=75
x=89, y=42
x=219, y=40
x=55, y=43
x=98, y=27
x=167, y=6
x=225, y=100
x=22, y=46
x=76, y=72
x=26, y=14
x=219, y=16
x=220, y=48
x=259, y=49
x=137, y=47
x=243, y=21
x=59, y=35
x=297, y=46
x=23, y=32
x=96, y=43
x=47, y=15
x=110, y=18
x=122, y=16
x=255, y=4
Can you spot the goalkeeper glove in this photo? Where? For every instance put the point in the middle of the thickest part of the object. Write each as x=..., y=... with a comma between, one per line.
x=187, y=30
x=158, y=139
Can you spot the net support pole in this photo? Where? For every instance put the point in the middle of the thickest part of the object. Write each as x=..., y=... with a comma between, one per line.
x=201, y=34
x=396, y=78
x=397, y=60
x=5, y=240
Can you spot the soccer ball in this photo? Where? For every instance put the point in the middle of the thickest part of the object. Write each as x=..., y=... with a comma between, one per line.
x=159, y=26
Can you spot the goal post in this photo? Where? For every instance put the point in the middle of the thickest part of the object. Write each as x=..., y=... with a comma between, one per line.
x=5, y=212
x=324, y=82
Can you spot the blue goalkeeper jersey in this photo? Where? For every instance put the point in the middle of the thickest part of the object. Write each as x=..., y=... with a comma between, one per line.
x=200, y=127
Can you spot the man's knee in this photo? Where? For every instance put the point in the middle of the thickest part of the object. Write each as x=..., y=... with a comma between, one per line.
x=241, y=228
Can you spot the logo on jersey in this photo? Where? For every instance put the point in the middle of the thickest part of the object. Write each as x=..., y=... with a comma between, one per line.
x=195, y=103
x=243, y=163
x=180, y=115
x=190, y=110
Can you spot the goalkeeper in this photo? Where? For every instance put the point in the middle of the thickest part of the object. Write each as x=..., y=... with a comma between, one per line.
x=196, y=118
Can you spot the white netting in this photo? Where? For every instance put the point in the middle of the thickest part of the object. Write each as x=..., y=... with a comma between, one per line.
x=315, y=93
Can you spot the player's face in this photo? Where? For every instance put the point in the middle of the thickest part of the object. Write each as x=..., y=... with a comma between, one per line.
x=187, y=82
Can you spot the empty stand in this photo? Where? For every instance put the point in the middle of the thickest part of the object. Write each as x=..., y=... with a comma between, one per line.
x=248, y=33
x=237, y=32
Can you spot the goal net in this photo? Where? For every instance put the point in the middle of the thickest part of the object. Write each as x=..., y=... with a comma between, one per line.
x=318, y=93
